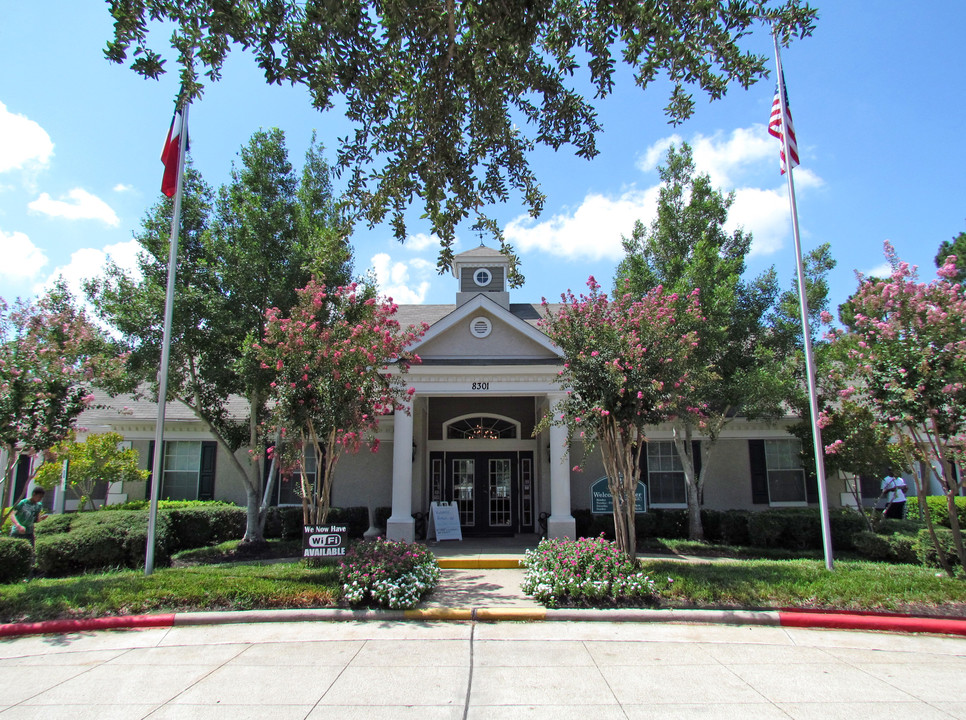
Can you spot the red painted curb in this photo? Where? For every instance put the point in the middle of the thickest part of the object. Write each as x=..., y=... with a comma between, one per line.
x=890, y=623
x=104, y=623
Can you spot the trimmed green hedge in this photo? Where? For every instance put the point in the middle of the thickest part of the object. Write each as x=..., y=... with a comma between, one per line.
x=939, y=509
x=16, y=557
x=98, y=541
x=791, y=528
x=926, y=551
x=286, y=522
x=894, y=548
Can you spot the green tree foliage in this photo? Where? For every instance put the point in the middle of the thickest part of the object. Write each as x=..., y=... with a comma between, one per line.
x=242, y=251
x=627, y=366
x=448, y=98
x=50, y=355
x=957, y=247
x=331, y=357
x=98, y=459
x=687, y=248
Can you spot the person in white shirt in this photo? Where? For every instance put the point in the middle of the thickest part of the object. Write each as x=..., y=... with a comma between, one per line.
x=893, y=490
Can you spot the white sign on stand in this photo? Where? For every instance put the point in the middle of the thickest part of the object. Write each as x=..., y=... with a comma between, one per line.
x=444, y=521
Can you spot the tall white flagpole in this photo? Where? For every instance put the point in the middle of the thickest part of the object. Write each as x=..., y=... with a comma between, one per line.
x=803, y=302
x=166, y=348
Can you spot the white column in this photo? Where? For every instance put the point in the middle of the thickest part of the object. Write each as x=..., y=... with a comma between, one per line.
x=561, y=523
x=400, y=525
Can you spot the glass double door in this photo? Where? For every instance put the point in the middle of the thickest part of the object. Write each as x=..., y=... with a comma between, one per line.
x=492, y=491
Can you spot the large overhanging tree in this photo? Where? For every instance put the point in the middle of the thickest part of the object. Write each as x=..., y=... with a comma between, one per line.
x=627, y=366
x=336, y=358
x=241, y=253
x=447, y=98
x=907, y=345
x=687, y=247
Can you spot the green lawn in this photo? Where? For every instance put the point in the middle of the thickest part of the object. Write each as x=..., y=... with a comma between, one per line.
x=852, y=585
x=203, y=587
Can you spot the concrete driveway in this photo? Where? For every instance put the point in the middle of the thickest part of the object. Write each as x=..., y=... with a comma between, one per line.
x=524, y=671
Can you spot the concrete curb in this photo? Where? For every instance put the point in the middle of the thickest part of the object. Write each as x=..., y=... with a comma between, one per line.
x=774, y=618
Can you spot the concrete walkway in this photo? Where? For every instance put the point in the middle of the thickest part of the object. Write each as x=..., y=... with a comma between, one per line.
x=476, y=671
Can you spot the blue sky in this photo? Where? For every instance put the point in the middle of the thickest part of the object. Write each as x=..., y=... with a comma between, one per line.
x=877, y=96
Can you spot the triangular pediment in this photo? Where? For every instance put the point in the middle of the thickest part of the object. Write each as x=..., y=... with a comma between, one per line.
x=481, y=330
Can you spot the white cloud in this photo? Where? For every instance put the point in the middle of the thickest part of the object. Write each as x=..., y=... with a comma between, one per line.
x=24, y=145
x=122, y=188
x=721, y=157
x=592, y=232
x=420, y=241
x=78, y=205
x=763, y=213
x=89, y=263
x=882, y=270
x=395, y=281
x=22, y=260
x=655, y=154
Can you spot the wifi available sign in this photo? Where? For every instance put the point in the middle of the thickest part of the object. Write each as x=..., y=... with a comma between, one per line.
x=324, y=541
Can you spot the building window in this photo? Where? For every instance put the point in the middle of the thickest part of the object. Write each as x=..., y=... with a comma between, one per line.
x=182, y=468
x=482, y=427
x=786, y=476
x=290, y=484
x=665, y=475
x=482, y=277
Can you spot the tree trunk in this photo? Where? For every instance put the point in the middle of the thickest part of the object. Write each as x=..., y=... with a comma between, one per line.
x=683, y=444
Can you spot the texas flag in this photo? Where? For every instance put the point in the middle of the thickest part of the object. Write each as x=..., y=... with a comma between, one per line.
x=171, y=154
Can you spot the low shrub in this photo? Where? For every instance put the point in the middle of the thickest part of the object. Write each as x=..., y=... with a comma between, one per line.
x=286, y=522
x=926, y=551
x=895, y=548
x=725, y=527
x=194, y=527
x=388, y=573
x=585, y=571
x=135, y=505
x=765, y=528
x=54, y=524
x=16, y=557
x=98, y=541
x=939, y=509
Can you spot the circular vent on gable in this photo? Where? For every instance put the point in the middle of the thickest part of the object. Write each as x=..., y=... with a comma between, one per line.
x=480, y=327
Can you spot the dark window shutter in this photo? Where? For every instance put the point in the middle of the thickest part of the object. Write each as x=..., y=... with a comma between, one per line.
x=150, y=482
x=811, y=487
x=759, y=472
x=696, y=455
x=644, y=478
x=206, y=476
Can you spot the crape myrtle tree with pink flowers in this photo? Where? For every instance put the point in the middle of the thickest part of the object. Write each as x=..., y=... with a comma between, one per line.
x=906, y=346
x=627, y=365
x=338, y=359
x=50, y=354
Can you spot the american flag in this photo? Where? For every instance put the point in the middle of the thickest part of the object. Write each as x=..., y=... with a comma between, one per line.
x=775, y=125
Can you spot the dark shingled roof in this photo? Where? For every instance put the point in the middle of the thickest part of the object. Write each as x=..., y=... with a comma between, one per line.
x=431, y=314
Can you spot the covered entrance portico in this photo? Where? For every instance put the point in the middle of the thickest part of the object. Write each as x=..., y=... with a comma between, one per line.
x=458, y=449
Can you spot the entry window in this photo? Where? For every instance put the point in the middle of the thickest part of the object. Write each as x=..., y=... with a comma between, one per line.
x=182, y=466
x=481, y=428
x=786, y=476
x=463, y=476
x=665, y=474
x=290, y=484
x=500, y=502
